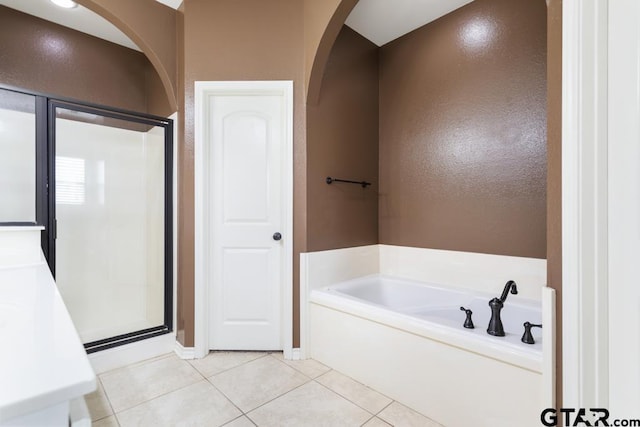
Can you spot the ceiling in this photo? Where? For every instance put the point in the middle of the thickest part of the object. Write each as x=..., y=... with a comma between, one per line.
x=380, y=21
x=174, y=4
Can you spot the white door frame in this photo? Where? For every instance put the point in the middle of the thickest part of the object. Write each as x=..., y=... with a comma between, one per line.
x=584, y=204
x=204, y=89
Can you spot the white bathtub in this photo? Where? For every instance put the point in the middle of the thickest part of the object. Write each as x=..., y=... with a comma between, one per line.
x=405, y=338
x=433, y=311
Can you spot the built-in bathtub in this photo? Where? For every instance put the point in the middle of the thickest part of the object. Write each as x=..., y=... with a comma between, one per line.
x=433, y=311
x=405, y=337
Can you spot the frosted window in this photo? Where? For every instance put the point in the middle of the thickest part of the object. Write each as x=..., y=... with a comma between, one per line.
x=69, y=181
x=17, y=157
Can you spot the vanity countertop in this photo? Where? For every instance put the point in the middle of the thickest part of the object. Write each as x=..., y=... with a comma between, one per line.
x=42, y=360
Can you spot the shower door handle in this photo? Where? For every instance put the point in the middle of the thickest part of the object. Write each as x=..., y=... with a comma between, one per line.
x=277, y=236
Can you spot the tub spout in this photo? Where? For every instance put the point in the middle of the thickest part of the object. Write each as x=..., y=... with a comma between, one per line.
x=495, y=324
x=510, y=285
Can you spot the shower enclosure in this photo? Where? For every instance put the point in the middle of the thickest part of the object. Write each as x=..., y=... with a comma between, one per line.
x=100, y=181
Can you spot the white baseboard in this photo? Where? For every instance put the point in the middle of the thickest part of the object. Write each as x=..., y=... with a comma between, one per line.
x=296, y=354
x=186, y=353
x=118, y=357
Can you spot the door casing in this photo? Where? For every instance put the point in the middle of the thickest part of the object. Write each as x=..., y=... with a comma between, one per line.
x=202, y=175
x=601, y=104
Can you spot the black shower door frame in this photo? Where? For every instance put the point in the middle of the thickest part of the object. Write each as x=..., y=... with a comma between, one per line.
x=45, y=112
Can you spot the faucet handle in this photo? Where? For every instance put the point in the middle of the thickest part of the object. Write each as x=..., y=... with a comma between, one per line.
x=527, y=338
x=468, y=323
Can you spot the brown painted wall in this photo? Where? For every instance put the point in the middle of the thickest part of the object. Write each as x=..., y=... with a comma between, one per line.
x=37, y=55
x=240, y=40
x=323, y=20
x=554, y=173
x=342, y=142
x=317, y=15
x=152, y=27
x=462, y=132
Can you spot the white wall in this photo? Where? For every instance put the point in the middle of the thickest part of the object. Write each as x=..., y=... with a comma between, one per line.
x=17, y=166
x=154, y=181
x=477, y=271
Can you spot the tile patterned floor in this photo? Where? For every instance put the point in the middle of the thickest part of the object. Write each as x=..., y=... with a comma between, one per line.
x=241, y=389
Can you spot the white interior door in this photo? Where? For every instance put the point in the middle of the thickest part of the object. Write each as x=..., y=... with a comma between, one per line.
x=247, y=155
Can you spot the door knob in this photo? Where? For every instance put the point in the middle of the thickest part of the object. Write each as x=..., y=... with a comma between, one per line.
x=277, y=236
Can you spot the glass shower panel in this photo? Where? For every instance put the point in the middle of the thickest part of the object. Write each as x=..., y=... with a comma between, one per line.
x=17, y=157
x=109, y=200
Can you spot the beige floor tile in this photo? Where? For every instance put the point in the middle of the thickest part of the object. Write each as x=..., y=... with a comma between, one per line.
x=240, y=422
x=256, y=382
x=106, y=422
x=132, y=385
x=219, y=361
x=400, y=416
x=98, y=404
x=376, y=422
x=310, y=405
x=358, y=393
x=309, y=367
x=199, y=404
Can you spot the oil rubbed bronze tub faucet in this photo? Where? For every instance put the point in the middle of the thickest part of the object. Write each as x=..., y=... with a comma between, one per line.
x=495, y=324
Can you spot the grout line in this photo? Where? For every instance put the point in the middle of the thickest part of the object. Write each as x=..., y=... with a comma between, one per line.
x=286, y=362
x=195, y=369
x=250, y=420
x=237, y=418
x=228, y=398
x=117, y=419
x=372, y=417
x=289, y=366
x=351, y=401
x=345, y=398
x=153, y=359
x=228, y=369
x=270, y=400
x=136, y=364
x=160, y=395
x=380, y=411
x=106, y=396
x=278, y=397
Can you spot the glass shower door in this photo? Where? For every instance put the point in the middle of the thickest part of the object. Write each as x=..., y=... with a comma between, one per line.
x=112, y=215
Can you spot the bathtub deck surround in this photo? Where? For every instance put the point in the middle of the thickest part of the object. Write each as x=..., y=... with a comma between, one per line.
x=408, y=304
x=408, y=340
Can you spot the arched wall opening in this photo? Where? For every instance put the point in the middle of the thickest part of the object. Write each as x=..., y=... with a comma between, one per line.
x=152, y=27
x=450, y=121
x=44, y=57
x=464, y=160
